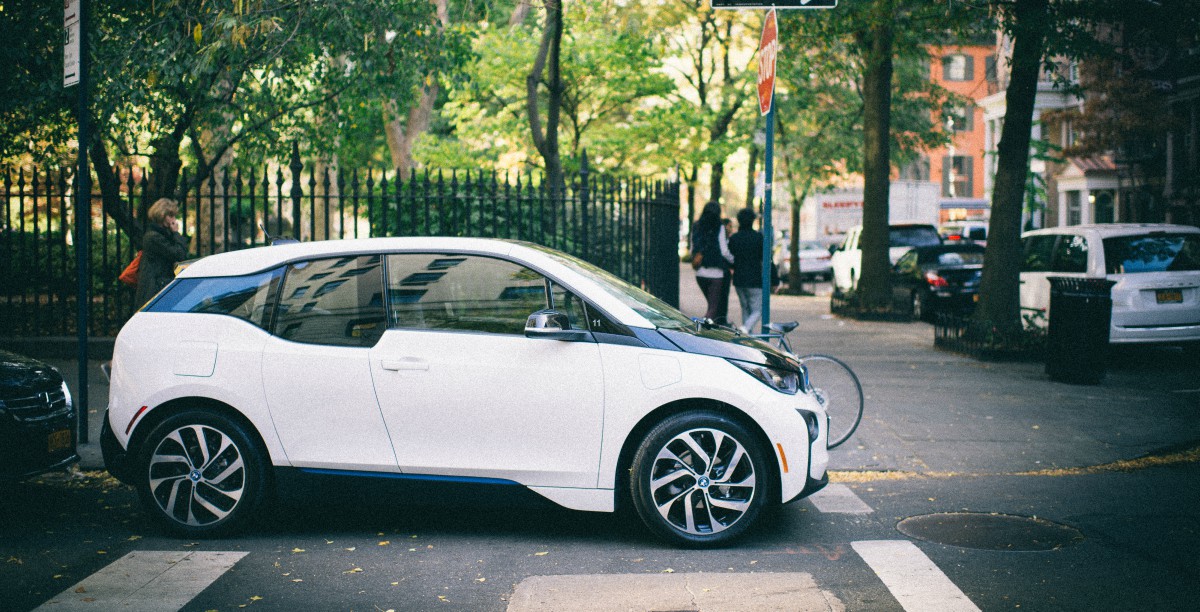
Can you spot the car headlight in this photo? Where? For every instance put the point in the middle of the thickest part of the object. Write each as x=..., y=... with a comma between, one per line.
x=783, y=381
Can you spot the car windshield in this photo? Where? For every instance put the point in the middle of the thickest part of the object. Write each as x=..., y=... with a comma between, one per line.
x=1152, y=253
x=913, y=236
x=653, y=309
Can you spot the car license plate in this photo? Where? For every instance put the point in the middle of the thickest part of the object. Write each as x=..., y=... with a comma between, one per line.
x=1169, y=296
x=59, y=440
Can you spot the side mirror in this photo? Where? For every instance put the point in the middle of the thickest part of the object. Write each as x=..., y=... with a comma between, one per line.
x=552, y=325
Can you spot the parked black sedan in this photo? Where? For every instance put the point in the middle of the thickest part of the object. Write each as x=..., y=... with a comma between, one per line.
x=938, y=278
x=37, y=418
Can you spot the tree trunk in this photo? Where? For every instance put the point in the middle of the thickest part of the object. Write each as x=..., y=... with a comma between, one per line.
x=402, y=136
x=874, y=290
x=999, y=292
x=546, y=140
x=714, y=186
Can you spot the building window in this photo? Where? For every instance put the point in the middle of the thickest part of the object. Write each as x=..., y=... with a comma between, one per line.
x=1102, y=206
x=915, y=170
x=958, y=67
x=1074, y=210
x=957, y=176
x=961, y=119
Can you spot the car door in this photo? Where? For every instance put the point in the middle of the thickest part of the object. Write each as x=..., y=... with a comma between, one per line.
x=1068, y=255
x=846, y=261
x=465, y=393
x=904, y=275
x=316, y=368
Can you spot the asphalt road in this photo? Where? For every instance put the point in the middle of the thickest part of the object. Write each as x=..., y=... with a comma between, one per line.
x=969, y=486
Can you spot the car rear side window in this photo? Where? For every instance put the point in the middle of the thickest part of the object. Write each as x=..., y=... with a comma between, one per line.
x=1152, y=253
x=1038, y=251
x=243, y=297
x=913, y=236
x=336, y=301
x=1070, y=255
x=462, y=293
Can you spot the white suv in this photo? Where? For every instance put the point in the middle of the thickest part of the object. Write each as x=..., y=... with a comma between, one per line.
x=459, y=359
x=1156, y=298
x=847, y=259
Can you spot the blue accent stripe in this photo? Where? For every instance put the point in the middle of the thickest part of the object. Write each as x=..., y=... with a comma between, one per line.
x=425, y=477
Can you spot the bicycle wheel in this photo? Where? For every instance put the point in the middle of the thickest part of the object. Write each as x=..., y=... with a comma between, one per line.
x=838, y=390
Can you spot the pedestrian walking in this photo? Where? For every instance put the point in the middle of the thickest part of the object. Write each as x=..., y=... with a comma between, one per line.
x=162, y=247
x=711, y=260
x=747, y=248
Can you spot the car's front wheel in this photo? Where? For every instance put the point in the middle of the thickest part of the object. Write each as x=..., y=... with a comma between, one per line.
x=201, y=474
x=699, y=479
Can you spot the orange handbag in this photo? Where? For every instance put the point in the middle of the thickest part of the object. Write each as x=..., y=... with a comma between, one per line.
x=129, y=275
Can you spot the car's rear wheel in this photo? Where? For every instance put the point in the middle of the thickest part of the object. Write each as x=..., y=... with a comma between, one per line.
x=699, y=480
x=201, y=474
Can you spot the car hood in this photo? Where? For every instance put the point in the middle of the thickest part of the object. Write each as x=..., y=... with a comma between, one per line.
x=21, y=376
x=728, y=344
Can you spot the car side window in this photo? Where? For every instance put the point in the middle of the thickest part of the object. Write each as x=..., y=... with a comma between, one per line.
x=336, y=301
x=1038, y=252
x=462, y=293
x=907, y=263
x=1070, y=255
x=243, y=297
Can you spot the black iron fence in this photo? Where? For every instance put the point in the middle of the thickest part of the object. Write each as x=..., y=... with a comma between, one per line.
x=627, y=226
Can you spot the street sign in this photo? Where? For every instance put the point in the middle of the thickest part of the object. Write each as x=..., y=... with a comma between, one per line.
x=768, y=46
x=768, y=4
x=71, y=43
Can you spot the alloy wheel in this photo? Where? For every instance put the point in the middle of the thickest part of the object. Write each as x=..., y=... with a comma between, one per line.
x=197, y=475
x=702, y=481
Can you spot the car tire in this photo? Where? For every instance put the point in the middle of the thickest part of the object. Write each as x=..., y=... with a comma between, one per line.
x=684, y=487
x=201, y=474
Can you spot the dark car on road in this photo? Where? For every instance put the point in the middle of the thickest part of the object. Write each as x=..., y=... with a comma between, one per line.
x=37, y=418
x=940, y=278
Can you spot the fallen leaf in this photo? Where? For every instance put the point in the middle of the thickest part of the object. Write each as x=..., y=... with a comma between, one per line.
x=297, y=550
x=395, y=584
x=134, y=538
x=668, y=571
x=481, y=580
x=81, y=590
x=352, y=548
x=541, y=554
x=443, y=598
x=384, y=543
x=255, y=598
x=297, y=580
x=101, y=552
x=357, y=570
x=89, y=599
x=57, y=576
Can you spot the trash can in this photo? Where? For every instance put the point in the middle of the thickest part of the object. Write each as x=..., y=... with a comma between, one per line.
x=1077, y=340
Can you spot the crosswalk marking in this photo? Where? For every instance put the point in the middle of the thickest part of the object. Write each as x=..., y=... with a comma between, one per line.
x=838, y=498
x=146, y=581
x=701, y=592
x=912, y=577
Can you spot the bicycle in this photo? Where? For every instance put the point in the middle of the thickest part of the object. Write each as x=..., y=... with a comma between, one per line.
x=831, y=381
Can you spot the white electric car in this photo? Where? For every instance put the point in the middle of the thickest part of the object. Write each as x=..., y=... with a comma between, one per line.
x=468, y=359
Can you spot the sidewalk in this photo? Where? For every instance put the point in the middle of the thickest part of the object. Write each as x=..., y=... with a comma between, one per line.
x=932, y=411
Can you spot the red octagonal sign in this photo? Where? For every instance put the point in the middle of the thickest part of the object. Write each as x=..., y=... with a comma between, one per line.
x=768, y=46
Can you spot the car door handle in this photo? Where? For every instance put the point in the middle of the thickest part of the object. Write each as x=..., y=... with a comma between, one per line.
x=410, y=363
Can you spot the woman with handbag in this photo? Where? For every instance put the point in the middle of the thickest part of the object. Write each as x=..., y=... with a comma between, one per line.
x=711, y=260
x=162, y=248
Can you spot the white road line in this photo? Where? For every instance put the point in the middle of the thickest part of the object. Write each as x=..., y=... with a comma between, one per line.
x=912, y=577
x=151, y=581
x=838, y=498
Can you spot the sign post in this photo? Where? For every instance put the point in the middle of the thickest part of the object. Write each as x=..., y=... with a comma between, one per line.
x=768, y=48
x=75, y=73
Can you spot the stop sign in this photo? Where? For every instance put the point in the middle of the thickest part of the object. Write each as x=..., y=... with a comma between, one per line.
x=768, y=46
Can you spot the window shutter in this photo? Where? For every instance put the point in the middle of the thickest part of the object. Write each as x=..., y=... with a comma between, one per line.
x=969, y=71
x=947, y=169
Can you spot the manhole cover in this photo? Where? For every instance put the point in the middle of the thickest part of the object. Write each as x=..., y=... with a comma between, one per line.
x=990, y=531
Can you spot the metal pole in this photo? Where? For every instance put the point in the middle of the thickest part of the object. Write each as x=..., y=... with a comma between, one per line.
x=83, y=221
x=767, y=232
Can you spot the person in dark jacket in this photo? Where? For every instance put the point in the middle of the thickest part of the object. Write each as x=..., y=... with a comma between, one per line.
x=710, y=242
x=747, y=248
x=162, y=248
